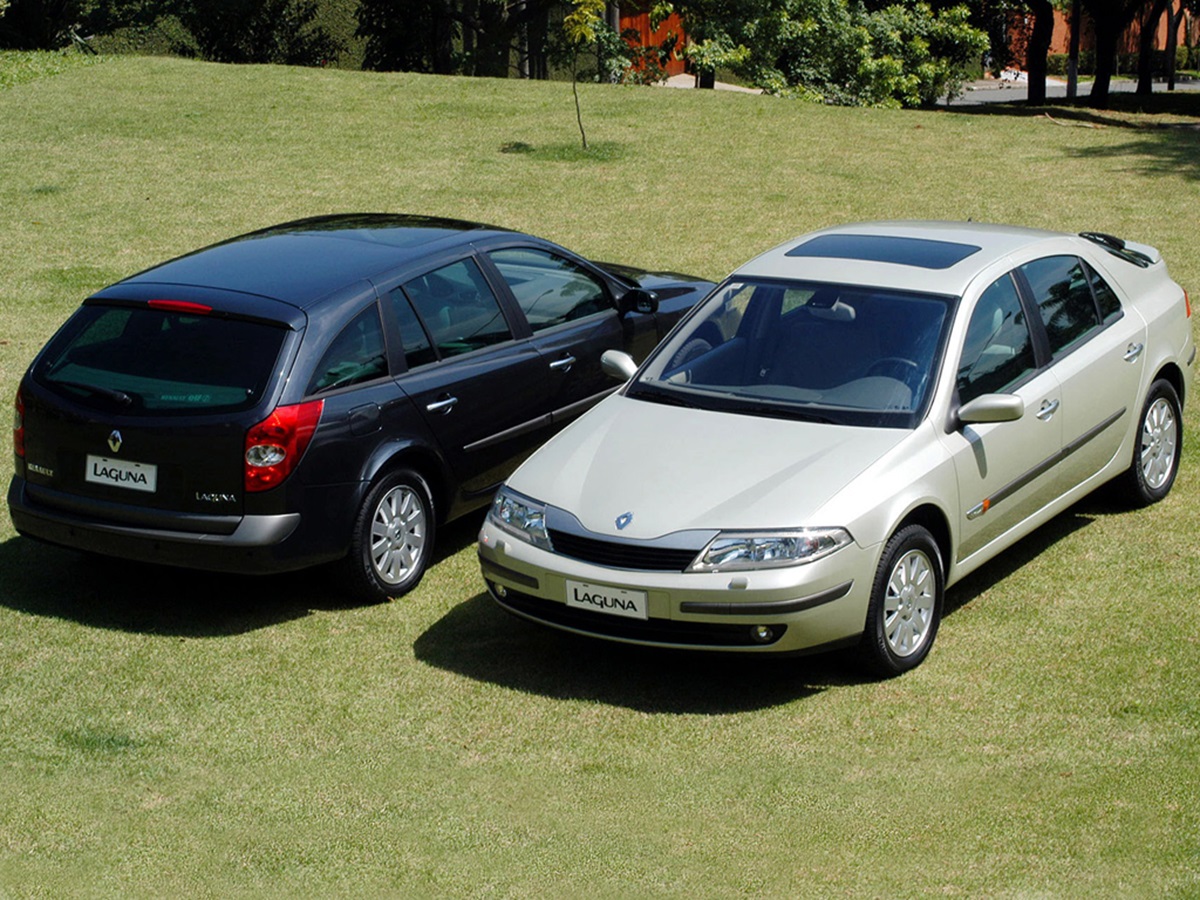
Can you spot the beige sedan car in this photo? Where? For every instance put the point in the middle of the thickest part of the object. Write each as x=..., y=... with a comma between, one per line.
x=850, y=423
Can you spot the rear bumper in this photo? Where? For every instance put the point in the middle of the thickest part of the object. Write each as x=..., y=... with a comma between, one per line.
x=257, y=545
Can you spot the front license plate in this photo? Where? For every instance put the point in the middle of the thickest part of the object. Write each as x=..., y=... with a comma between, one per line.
x=121, y=473
x=604, y=599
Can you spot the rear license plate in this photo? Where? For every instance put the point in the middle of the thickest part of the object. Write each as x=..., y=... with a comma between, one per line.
x=604, y=599
x=121, y=473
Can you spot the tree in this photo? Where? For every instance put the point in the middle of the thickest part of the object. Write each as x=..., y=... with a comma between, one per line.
x=1110, y=18
x=1039, y=50
x=257, y=31
x=580, y=27
x=838, y=52
x=40, y=24
x=1148, y=22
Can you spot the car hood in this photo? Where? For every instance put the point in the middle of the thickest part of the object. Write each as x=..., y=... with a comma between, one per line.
x=677, y=469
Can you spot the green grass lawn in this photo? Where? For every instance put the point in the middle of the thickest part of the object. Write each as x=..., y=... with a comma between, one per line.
x=177, y=734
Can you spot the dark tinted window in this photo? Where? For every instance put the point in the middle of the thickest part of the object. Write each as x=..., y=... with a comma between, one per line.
x=920, y=252
x=551, y=290
x=356, y=355
x=458, y=308
x=418, y=350
x=1064, y=298
x=997, y=350
x=148, y=359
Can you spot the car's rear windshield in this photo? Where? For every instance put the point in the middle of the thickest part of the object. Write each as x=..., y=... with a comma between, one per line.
x=163, y=361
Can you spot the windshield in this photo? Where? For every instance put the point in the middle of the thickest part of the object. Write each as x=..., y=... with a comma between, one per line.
x=824, y=352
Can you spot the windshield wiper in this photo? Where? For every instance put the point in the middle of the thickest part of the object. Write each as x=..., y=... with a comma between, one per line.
x=658, y=395
x=108, y=393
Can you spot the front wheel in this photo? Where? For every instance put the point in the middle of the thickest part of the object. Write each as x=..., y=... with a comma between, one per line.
x=906, y=603
x=1156, y=452
x=392, y=540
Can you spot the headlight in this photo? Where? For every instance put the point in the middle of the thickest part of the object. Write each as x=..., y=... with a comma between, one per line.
x=761, y=550
x=520, y=516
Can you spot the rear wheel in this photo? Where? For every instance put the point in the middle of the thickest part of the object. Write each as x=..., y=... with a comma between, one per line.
x=1156, y=452
x=393, y=537
x=906, y=603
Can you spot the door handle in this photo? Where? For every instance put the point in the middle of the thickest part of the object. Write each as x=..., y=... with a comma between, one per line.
x=442, y=406
x=1133, y=352
x=564, y=364
x=1049, y=408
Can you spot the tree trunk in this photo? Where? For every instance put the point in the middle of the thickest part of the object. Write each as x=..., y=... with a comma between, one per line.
x=1073, y=60
x=1039, y=50
x=1107, y=34
x=1149, y=25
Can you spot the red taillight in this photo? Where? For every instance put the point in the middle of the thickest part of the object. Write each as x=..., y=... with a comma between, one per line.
x=19, y=426
x=180, y=306
x=275, y=445
x=1187, y=303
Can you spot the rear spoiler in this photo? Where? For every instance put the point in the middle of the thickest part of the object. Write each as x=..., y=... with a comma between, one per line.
x=1141, y=255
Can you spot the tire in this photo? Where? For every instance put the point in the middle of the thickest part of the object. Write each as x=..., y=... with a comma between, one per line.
x=392, y=541
x=1156, y=451
x=906, y=603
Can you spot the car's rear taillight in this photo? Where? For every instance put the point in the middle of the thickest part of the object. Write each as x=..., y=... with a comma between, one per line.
x=275, y=445
x=19, y=426
x=1187, y=303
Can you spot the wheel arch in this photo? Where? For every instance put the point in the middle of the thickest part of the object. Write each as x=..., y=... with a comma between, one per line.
x=933, y=520
x=1173, y=375
x=422, y=460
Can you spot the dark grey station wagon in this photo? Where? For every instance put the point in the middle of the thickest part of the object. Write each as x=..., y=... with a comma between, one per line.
x=333, y=388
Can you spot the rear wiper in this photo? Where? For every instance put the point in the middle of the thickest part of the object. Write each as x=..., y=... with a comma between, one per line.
x=108, y=393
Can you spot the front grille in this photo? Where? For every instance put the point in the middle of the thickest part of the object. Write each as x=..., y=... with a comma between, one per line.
x=654, y=631
x=621, y=555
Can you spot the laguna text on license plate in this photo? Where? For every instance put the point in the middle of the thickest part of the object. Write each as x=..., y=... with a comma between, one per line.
x=605, y=599
x=122, y=473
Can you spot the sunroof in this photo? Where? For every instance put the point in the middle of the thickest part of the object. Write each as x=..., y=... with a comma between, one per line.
x=904, y=251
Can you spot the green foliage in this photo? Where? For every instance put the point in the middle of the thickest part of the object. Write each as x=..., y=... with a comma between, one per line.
x=837, y=51
x=257, y=31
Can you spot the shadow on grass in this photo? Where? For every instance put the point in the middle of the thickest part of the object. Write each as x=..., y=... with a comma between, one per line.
x=481, y=641
x=1154, y=148
x=99, y=592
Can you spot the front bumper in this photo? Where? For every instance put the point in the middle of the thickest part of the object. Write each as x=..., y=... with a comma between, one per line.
x=792, y=609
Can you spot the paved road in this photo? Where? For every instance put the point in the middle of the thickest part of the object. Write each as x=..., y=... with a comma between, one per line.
x=994, y=91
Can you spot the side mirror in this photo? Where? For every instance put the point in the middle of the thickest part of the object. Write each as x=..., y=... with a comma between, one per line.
x=638, y=300
x=992, y=408
x=618, y=364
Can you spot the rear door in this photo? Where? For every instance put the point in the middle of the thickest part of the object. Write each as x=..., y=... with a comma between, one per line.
x=481, y=390
x=1097, y=353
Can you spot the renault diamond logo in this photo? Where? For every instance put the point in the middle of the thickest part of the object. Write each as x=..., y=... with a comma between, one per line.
x=114, y=441
x=623, y=520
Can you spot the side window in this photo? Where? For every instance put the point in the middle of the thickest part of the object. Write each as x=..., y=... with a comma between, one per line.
x=551, y=290
x=1106, y=297
x=356, y=355
x=418, y=349
x=458, y=308
x=997, y=350
x=1064, y=297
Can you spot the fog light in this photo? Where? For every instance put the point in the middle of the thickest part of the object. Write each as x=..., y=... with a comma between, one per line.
x=762, y=634
x=501, y=590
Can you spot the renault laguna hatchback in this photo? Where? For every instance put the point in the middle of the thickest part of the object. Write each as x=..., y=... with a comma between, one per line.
x=328, y=389
x=851, y=423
